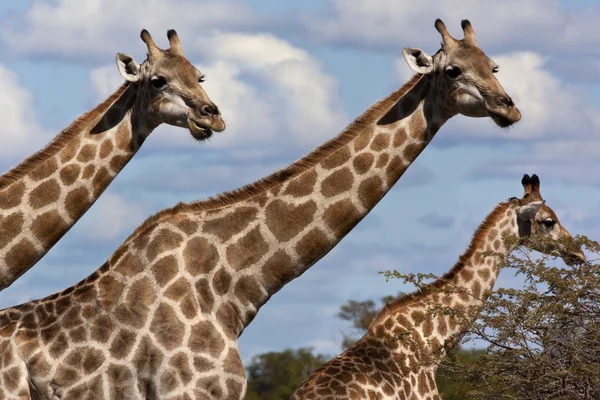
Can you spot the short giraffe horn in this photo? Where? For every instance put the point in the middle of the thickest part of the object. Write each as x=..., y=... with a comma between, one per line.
x=174, y=43
x=468, y=31
x=447, y=38
x=153, y=49
x=526, y=182
x=535, y=183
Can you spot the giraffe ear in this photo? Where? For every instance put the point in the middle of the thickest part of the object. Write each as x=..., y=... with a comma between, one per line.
x=418, y=60
x=527, y=212
x=128, y=68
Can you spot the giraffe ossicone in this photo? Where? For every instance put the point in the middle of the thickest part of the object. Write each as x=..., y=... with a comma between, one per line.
x=45, y=195
x=398, y=356
x=162, y=317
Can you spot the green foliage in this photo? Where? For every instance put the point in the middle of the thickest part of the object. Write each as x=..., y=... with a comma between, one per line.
x=543, y=340
x=360, y=314
x=276, y=375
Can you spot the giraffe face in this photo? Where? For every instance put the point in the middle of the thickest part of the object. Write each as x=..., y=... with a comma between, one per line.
x=536, y=219
x=170, y=89
x=464, y=78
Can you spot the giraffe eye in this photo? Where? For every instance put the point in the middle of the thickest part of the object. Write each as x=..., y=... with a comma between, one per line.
x=453, y=71
x=549, y=223
x=202, y=79
x=158, y=82
x=495, y=69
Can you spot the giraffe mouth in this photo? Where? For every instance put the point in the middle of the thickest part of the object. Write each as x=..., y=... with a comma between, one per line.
x=505, y=119
x=501, y=120
x=199, y=130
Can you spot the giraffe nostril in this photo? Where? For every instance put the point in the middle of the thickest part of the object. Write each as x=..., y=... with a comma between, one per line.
x=210, y=109
x=507, y=101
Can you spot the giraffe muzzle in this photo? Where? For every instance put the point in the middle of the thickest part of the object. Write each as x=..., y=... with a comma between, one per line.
x=203, y=128
x=505, y=118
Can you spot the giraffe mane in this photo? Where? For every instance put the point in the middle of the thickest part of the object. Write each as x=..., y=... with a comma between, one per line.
x=278, y=177
x=60, y=140
x=477, y=241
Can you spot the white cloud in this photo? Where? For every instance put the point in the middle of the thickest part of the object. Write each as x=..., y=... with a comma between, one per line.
x=20, y=132
x=111, y=217
x=92, y=28
x=393, y=24
x=269, y=92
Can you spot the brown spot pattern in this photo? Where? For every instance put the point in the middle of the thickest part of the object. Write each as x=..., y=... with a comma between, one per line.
x=248, y=250
x=370, y=191
x=77, y=201
x=48, y=228
x=45, y=169
x=287, y=220
x=87, y=153
x=338, y=182
x=165, y=326
x=69, y=174
x=12, y=196
x=341, y=217
x=380, y=142
x=200, y=256
x=44, y=194
x=363, y=162
x=339, y=157
x=230, y=224
x=303, y=185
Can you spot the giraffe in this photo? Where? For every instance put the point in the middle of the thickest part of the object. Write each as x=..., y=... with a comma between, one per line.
x=398, y=356
x=161, y=318
x=45, y=195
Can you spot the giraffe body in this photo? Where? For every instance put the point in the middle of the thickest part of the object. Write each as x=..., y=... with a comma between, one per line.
x=398, y=356
x=188, y=281
x=44, y=196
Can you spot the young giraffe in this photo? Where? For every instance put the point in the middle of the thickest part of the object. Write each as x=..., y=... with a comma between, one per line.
x=162, y=317
x=44, y=196
x=398, y=356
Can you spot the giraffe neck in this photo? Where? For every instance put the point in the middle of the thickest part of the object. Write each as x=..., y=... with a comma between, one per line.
x=285, y=223
x=463, y=289
x=44, y=196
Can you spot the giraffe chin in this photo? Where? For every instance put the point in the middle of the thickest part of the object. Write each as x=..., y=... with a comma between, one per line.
x=199, y=130
x=501, y=120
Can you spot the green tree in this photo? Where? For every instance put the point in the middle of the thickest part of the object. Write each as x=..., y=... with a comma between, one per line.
x=360, y=314
x=543, y=340
x=276, y=375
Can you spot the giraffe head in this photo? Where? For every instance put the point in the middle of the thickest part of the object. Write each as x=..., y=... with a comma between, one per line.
x=536, y=219
x=170, y=90
x=463, y=78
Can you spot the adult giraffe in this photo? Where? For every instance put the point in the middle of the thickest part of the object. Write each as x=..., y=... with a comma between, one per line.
x=45, y=195
x=398, y=356
x=162, y=317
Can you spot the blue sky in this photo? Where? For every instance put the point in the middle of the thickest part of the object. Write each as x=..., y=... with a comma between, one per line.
x=57, y=61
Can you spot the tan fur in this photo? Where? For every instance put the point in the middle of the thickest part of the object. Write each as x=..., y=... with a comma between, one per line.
x=85, y=122
x=279, y=177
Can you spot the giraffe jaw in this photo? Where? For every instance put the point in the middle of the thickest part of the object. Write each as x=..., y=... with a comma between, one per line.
x=199, y=130
x=500, y=120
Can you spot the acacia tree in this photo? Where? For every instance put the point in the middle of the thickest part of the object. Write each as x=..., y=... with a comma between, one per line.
x=542, y=341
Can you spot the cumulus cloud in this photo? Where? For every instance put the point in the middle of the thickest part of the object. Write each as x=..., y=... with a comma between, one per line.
x=269, y=92
x=110, y=217
x=510, y=24
x=85, y=29
x=20, y=132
